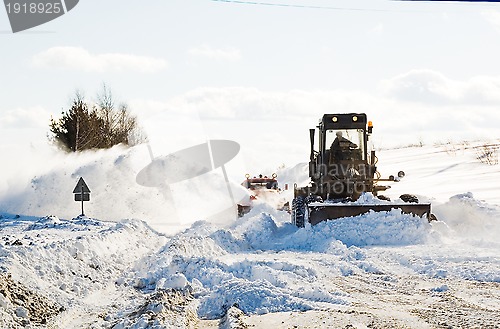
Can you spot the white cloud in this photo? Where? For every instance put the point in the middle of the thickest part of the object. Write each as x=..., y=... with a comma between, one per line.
x=253, y=105
x=274, y=125
x=81, y=59
x=21, y=118
x=420, y=86
x=226, y=54
x=431, y=87
x=270, y=125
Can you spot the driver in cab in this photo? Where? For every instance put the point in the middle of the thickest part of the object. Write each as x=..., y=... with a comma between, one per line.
x=341, y=146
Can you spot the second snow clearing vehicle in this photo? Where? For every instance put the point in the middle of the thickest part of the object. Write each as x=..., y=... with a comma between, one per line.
x=262, y=188
x=341, y=170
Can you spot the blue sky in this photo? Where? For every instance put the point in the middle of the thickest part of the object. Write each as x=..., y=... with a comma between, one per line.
x=260, y=75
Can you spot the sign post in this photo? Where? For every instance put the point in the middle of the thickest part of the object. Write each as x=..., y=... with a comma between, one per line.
x=82, y=192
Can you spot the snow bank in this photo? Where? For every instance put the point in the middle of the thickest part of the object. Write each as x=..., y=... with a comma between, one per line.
x=370, y=229
x=463, y=244
x=74, y=263
x=258, y=297
x=70, y=259
x=262, y=265
x=261, y=262
x=470, y=219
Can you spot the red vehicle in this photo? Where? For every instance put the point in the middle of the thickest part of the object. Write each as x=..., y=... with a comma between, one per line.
x=262, y=189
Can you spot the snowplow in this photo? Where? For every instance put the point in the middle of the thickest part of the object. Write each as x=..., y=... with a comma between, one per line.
x=342, y=169
x=265, y=189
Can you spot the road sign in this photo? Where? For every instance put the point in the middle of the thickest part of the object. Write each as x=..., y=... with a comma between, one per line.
x=86, y=197
x=81, y=187
x=82, y=192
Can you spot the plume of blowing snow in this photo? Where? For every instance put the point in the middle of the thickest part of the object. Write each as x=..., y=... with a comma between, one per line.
x=115, y=195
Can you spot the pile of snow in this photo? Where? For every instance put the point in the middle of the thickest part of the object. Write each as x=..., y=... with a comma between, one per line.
x=124, y=274
x=162, y=309
x=463, y=244
x=266, y=265
x=71, y=262
x=470, y=218
x=19, y=304
x=392, y=228
x=261, y=264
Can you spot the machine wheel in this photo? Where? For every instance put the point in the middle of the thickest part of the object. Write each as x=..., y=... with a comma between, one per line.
x=298, y=211
x=409, y=198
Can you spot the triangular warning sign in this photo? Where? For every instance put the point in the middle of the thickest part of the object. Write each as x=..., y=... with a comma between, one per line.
x=81, y=186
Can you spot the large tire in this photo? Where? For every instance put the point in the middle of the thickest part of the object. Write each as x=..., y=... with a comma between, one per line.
x=409, y=198
x=298, y=211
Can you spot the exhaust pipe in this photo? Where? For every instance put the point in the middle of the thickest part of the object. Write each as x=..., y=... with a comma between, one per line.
x=311, y=136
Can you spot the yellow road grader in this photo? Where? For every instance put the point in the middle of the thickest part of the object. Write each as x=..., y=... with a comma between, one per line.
x=342, y=168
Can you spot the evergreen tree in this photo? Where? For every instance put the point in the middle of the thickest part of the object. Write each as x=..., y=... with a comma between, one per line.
x=102, y=126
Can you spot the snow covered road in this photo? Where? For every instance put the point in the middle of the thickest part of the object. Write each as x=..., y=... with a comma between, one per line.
x=378, y=270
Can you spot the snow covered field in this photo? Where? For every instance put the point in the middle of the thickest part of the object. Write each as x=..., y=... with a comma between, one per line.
x=378, y=270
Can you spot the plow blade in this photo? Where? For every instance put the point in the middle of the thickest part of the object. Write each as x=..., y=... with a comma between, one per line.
x=322, y=212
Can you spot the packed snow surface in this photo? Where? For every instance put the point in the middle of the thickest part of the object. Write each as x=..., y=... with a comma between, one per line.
x=379, y=270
